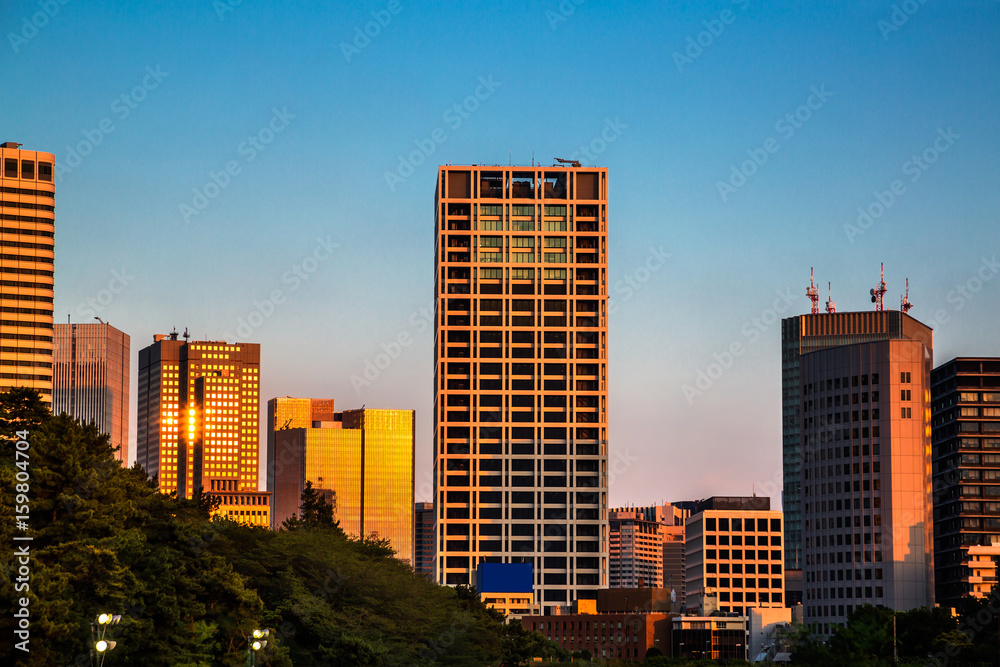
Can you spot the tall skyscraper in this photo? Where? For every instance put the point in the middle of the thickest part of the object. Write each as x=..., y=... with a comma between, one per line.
x=867, y=515
x=198, y=421
x=965, y=409
x=27, y=257
x=424, y=549
x=800, y=335
x=91, y=378
x=288, y=412
x=362, y=463
x=734, y=555
x=520, y=375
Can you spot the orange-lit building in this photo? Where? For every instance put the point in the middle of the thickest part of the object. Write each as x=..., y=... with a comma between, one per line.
x=198, y=421
x=27, y=262
x=606, y=635
x=91, y=379
x=647, y=548
x=520, y=375
x=361, y=461
x=866, y=483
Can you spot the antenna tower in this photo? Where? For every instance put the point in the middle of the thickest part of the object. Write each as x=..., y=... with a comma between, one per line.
x=831, y=305
x=813, y=294
x=878, y=291
x=904, y=303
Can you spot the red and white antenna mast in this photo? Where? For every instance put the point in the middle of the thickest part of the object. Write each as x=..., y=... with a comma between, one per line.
x=813, y=294
x=831, y=305
x=904, y=303
x=879, y=291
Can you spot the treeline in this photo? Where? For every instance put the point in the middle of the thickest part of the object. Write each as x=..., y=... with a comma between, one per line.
x=191, y=589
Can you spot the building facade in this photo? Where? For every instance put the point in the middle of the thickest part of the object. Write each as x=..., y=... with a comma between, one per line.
x=625, y=636
x=197, y=422
x=647, y=548
x=734, y=556
x=362, y=463
x=27, y=262
x=92, y=363
x=800, y=335
x=866, y=479
x=423, y=539
x=289, y=412
x=965, y=429
x=520, y=375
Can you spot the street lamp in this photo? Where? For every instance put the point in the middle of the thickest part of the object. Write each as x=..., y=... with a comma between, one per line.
x=258, y=641
x=98, y=635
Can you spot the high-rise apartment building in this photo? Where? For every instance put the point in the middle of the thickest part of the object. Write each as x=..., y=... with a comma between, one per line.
x=734, y=556
x=965, y=414
x=198, y=421
x=91, y=379
x=27, y=258
x=647, y=548
x=866, y=483
x=800, y=335
x=361, y=461
x=520, y=375
x=423, y=539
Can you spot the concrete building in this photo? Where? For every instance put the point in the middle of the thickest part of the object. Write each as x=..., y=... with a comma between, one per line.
x=27, y=258
x=520, y=379
x=362, y=461
x=965, y=427
x=424, y=550
x=91, y=379
x=867, y=521
x=709, y=637
x=198, y=420
x=647, y=548
x=734, y=556
x=606, y=635
x=801, y=335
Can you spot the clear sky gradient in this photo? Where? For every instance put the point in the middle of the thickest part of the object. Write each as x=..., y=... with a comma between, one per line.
x=216, y=155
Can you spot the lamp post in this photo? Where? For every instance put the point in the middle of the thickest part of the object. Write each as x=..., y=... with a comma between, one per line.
x=258, y=641
x=98, y=635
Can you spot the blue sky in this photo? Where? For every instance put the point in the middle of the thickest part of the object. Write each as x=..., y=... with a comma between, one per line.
x=741, y=140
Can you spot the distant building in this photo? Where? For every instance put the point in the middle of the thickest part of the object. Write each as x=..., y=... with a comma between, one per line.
x=362, y=462
x=606, y=635
x=198, y=420
x=288, y=412
x=734, y=556
x=965, y=418
x=867, y=519
x=801, y=335
x=27, y=258
x=709, y=637
x=423, y=539
x=647, y=548
x=507, y=587
x=91, y=379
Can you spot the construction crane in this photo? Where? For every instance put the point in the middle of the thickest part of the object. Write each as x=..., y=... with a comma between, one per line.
x=813, y=294
x=572, y=163
x=904, y=302
x=879, y=290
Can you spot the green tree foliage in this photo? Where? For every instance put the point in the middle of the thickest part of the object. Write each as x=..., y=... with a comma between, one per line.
x=191, y=588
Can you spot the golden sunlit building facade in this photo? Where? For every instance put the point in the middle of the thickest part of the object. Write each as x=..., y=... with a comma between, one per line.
x=361, y=462
x=520, y=375
x=27, y=268
x=198, y=422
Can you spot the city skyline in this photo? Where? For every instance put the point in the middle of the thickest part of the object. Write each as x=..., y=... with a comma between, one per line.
x=695, y=269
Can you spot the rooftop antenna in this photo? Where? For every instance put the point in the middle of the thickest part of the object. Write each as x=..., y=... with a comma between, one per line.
x=186, y=334
x=173, y=334
x=904, y=303
x=831, y=305
x=572, y=163
x=878, y=291
x=813, y=294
